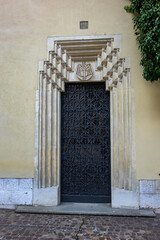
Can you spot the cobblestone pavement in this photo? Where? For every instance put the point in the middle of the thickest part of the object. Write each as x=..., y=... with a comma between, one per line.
x=58, y=227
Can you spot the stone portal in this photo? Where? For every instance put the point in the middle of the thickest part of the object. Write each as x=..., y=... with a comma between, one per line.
x=103, y=63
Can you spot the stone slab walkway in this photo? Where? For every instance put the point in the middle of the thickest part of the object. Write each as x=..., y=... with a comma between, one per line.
x=75, y=227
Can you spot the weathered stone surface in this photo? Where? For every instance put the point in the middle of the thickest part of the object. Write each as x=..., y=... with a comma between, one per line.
x=1, y=183
x=157, y=186
x=147, y=186
x=149, y=193
x=150, y=200
x=15, y=191
x=10, y=184
x=25, y=184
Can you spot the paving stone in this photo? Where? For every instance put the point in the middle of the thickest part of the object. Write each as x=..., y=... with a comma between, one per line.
x=75, y=227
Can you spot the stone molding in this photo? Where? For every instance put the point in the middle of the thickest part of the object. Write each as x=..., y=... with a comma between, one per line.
x=102, y=52
x=63, y=57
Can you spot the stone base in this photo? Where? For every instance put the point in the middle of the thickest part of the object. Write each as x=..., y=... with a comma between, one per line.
x=46, y=196
x=19, y=192
x=150, y=193
x=15, y=191
x=124, y=199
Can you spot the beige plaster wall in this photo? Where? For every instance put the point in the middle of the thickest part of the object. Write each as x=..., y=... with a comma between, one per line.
x=24, y=28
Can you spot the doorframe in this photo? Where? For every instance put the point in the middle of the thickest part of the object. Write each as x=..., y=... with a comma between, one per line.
x=53, y=74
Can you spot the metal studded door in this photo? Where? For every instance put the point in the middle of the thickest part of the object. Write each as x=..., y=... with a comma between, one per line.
x=85, y=143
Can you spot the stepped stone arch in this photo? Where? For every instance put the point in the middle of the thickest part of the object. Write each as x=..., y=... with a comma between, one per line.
x=102, y=53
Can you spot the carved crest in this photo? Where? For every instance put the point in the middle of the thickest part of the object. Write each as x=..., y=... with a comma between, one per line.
x=84, y=71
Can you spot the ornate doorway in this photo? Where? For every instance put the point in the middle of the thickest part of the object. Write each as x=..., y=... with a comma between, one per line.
x=90, y=59
x=85, y=143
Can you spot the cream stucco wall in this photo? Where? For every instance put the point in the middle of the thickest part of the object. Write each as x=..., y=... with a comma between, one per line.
x=24, y=28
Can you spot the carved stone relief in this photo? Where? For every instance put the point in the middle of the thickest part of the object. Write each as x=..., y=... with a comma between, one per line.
x=84, y=71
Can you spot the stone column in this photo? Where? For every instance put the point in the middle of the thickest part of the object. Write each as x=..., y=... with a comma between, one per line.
x=46, y=190
x=125, y=191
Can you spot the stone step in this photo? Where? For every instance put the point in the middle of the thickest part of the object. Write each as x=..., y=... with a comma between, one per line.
x=86, y=209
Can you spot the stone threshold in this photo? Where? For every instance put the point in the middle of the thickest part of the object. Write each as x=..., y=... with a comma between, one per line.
x=86, y=209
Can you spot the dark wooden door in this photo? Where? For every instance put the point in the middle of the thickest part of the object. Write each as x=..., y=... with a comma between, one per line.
x=85, y=143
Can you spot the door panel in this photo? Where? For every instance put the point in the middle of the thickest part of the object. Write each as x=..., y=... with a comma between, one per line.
x=85, y=143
